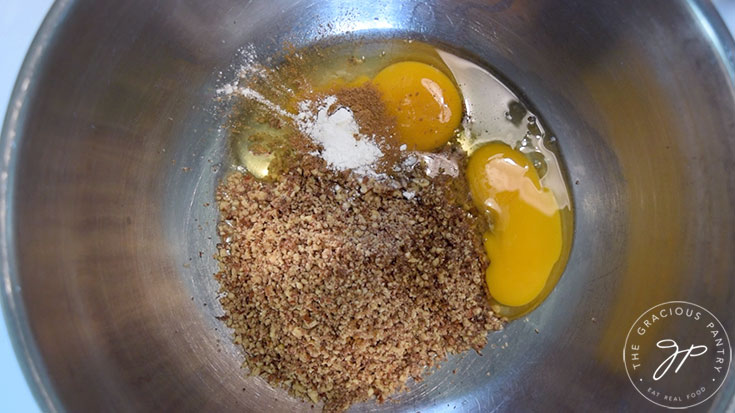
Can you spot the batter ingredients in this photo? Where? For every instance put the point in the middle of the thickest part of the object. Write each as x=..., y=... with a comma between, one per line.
x=340, y=288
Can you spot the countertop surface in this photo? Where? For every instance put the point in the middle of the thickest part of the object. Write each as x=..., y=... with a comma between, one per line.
x=19, y=21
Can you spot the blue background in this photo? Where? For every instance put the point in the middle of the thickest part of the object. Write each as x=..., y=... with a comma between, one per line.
x=19, y=20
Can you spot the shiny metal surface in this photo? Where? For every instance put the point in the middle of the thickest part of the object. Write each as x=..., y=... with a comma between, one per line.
x=112, y=306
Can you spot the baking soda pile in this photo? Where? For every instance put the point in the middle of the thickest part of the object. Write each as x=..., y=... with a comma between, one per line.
x=343, y=147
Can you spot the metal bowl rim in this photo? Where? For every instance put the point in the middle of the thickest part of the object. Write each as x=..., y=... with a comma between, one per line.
x=26, y=350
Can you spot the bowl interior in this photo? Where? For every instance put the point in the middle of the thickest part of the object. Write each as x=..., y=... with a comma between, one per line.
x=114, y=147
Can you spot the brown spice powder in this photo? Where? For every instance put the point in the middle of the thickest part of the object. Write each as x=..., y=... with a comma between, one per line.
x=340, y=288
x=368, y=109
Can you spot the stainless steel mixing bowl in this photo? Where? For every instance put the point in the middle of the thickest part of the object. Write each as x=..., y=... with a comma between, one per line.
x=106, y=239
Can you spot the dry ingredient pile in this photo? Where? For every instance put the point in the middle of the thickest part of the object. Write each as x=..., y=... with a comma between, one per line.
x=356, y=264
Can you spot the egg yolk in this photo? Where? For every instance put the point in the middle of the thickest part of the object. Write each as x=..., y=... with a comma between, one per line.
x=525, y=241
x=423, y=100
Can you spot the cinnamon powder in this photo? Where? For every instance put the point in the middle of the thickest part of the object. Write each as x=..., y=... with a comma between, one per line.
x=366, y=103
x=368, y=110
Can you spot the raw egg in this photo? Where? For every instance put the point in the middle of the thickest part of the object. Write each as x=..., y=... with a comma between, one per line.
x=526, y=236
x=423, y=100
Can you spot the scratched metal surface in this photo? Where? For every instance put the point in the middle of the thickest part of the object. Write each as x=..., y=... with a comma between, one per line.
x=110, y=154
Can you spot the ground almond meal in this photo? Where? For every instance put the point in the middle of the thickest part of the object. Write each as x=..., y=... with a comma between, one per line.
x=340, y=288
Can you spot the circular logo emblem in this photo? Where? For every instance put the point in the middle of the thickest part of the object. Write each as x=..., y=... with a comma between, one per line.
x=677, y=354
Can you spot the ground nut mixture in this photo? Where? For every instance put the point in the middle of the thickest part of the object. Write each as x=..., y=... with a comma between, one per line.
x=339, y=288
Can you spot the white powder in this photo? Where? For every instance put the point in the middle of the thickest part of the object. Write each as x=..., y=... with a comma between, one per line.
x=343, y=147
x=250, y=63
x=251, y=94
